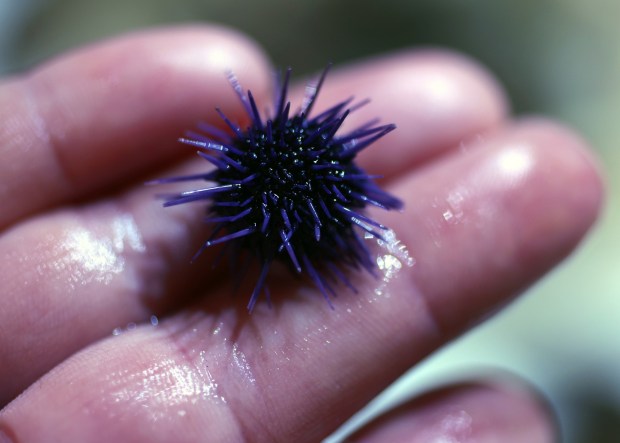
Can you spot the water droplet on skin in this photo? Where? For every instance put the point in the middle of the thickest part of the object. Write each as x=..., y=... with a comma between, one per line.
x=96, y=255
x=163, y=387
x=391, y=260
x=126, y=234
x=117, y=331
x=454, y=213
x=154, y=320
x=241, y=363
x=218, y=328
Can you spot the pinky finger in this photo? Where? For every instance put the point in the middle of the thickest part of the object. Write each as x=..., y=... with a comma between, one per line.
x=476, y=412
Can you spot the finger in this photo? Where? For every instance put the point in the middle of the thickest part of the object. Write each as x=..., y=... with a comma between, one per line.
x=121, y=261
x=109, y=112
x=437, y=99
x=497, y=209
x=294, y=373
x=473, y=412
x=58, y=282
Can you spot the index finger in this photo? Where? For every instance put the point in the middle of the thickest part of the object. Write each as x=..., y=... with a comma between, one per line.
x=105, y=114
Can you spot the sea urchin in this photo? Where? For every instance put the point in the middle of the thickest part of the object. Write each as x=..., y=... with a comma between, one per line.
x=287, y=188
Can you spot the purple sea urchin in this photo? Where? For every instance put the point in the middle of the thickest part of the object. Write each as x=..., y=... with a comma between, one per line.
x=287, y=188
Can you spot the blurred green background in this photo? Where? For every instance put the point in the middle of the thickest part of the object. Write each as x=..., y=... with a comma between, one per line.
x=555, y=57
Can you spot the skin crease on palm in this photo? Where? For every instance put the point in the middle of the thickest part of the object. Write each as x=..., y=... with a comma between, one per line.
x=491, y=204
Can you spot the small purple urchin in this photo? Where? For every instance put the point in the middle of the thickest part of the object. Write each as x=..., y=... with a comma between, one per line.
x=287, y=188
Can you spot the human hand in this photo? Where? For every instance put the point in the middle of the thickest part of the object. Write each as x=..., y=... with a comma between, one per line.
x=491, y=204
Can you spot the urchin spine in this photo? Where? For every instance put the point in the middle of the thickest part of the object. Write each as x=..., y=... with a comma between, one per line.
x=287, y=188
